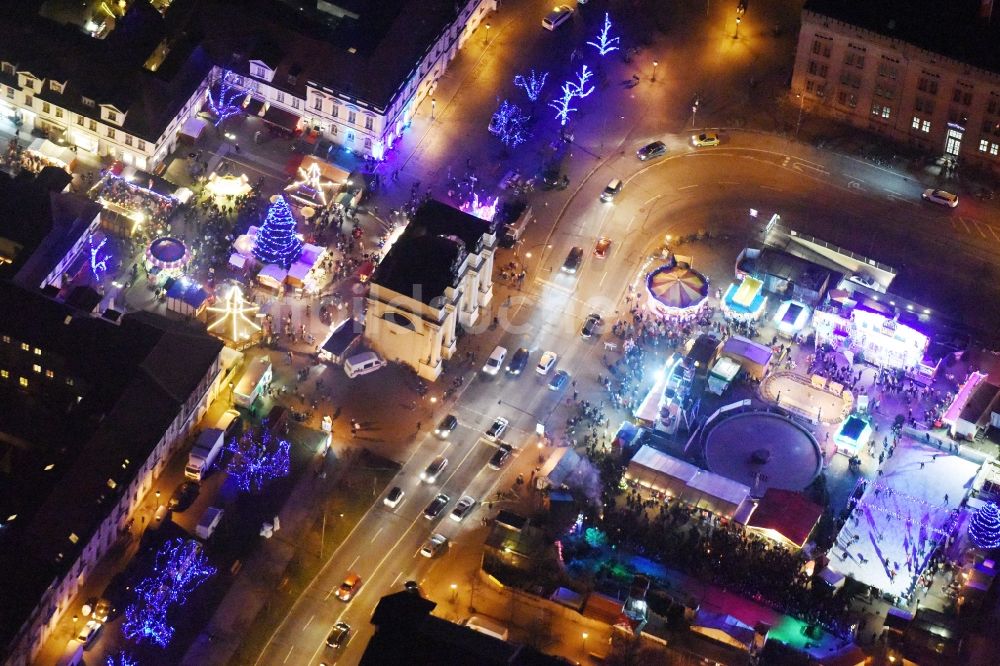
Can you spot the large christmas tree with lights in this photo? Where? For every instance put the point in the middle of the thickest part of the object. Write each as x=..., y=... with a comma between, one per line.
x=276, y=240
x=984, y=529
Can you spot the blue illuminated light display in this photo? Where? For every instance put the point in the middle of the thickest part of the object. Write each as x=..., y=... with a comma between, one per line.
x=562, y=105
x=227, y=104
x=532, y=84
x=580, y=88
x=509, y=123
x=276, y=242
x=256, y=458
x=121, y=659
x=180, y=568
x=98, y=259
x=984, y=529
x=605, y=43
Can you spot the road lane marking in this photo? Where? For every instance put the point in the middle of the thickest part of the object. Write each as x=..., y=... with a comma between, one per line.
x=993, y=232
x=768, y=187
x=728, y=182
x=354, y=562
x=962, y=222
x=374, y=536
x=601, y=283
x=976, y=224
x=288, y=656
x=309, y=622
x=688, y=187
x=396, y=579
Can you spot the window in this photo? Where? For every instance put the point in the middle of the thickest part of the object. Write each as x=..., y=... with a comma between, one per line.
x=925, y=126
x=112, y=116
x=23, y=381
x=37, y=368
x=50, y=374
x=817, y=47
x=93, y=125
x=25, y=346
x=128, y=139
x=88, y=102
x=885, y=112
x=318, y=104
x=994, y=149
x=6, y=339
x=368, y=143
x=847, y=99
x=350, y=137
x=984, y=145
x=46, y=108
x=352, y=117
x=38, y=352
x=8, y=68
x=336, y=110
x=991, y=107
x=280, y=97
x=28, y=101
x=111, y=132
x=333, y=130
x=4, y=374
x=295, y=102
x=142, y=145
x=69, y=381
x=59, y=112
x=369, y=123
x=10, y=93
x=916, y=123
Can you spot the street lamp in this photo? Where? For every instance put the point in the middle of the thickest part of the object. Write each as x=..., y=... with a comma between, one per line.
x=454, y=592
x=655, y=65
x=158, y=499
x=694, y=110
x=584, y=634
x=486, y=36
x=798, y=123
x=433, y=104
x=739, y=19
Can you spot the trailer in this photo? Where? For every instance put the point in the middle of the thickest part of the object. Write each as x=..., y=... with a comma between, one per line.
x=206, y=449
x=253, y=382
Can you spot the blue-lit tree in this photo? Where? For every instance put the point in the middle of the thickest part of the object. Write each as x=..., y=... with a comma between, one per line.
x=228, y=101
x=532, y=84
x=98, y=257
x=121, y=659
x=276, y=241
x=510, y=124
x=984, y=529
x=605, y=43
x=257, y=458
x=562, y=105
x=580, y=88
x=180, y=567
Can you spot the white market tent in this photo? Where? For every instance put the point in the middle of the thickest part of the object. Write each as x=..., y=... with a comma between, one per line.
x=723, y=373
x=716, y=493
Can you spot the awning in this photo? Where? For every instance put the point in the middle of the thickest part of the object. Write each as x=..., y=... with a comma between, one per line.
x=193, y=127
x=253, y=106
x=280, y=118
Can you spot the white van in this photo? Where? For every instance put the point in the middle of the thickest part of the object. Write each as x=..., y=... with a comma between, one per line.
x=362, y=364
x=495, y=361
x=488, y=626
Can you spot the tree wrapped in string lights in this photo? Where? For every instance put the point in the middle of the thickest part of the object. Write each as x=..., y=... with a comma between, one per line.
x=580, y=88
x=276, y=241
x=605, y=43
x=121, y=659
x=180, y=568
x=510, y=124
x=532, y=84
x=227, y=102
x=257, y=458
x=984, y=529
x=562, y=104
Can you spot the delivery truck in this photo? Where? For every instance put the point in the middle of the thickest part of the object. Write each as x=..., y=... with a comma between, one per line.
x=205, y=451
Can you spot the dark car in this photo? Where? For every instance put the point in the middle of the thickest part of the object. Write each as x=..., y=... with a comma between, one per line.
x=184, y=496
x=573, y=260
x=553, y=179
x=447, y=424
x=501, y=456
x=592, y=325
x=436, y=506
x=412, y=586
x=518, y=361
x=651, y=150
x=558, y=380
x=339, y=635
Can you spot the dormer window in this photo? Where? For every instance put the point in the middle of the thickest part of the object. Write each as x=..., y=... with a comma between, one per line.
x=56, y=86
x=112, y=116
x=8, y=68
x=88, y=102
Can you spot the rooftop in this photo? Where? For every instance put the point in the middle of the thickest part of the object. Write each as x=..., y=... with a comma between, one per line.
x=72, y=442
x=969, y=37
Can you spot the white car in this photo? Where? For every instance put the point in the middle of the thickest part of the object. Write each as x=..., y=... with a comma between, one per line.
x=546, y=362
x=498, y=428
x=434, y=545
x=463, y=508
x=557, y=17
x=941, y=197
x=705, y=139
x=495, y=361
x=88, y=633
x=394, y=497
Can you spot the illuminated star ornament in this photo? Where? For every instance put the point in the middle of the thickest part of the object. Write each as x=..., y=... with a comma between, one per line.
x=180, y=568
x=257, y=458
x=310, y=186
x=984, y=529
x=227, y=102
x=236, y=315
x=605, y=43
x=98, y=259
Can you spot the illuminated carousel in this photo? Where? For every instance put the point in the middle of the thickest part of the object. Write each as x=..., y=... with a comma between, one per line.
x=675, y=288
x=167, y=256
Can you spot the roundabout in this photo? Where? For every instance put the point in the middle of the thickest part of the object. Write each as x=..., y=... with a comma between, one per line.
x=762, y=449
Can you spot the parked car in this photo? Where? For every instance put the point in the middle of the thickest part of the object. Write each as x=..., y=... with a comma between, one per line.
x=104, y=610
x=436, y=506
x=88, y=633
x=501, y=456
x=557, y=17
x=651, y=150
x=559, y=380
x=448, y=423
x=591, y=325
x=339, y=635
x=183, y=496
x=430, y=475
x=613, y=189
x=412, y=586
x=705, y=139
x=462, y=508
x=546, y=362
x=495, y=361
x=601, y=247
x=497, y=429
x=433, y=545
x=518, y=361
x=394, y=497
x=349, y=587
x=573, y=260
x=940, y=197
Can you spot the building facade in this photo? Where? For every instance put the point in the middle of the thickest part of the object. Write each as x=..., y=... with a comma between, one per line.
x=890, y=75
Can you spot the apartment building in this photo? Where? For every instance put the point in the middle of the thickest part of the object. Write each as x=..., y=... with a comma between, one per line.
x=920, y=72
